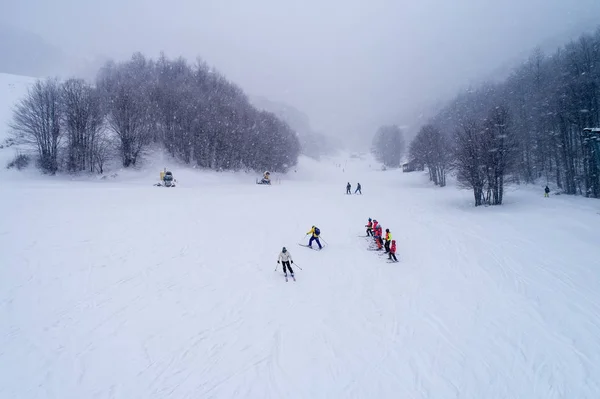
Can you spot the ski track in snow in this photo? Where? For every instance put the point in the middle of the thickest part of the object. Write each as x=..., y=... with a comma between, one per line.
x=143, y=292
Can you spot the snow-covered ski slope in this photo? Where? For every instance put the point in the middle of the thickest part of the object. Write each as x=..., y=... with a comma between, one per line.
x=117, y=289
x=124, y=290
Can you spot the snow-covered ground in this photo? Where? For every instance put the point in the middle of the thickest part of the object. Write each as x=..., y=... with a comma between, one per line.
x=117, y=289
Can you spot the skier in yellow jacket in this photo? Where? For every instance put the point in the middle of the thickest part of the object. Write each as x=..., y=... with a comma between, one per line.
x=314, y=231
x=388, y=240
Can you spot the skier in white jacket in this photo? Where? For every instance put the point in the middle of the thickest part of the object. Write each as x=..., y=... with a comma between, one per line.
x=286, y=258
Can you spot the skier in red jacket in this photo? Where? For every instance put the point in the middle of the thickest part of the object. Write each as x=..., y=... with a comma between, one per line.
x=392, y=253
x=378, y=238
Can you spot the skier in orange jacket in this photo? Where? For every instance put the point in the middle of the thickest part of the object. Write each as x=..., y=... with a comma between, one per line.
x=369, y=227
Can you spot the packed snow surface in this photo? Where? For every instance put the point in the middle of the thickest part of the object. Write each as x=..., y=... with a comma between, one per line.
x=118, y=289
x=125, y=290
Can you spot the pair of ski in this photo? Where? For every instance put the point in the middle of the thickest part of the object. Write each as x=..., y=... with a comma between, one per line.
x=315, y=249
x=374, y=248
x=383, y=254
x=388, y=260
x=286, y=276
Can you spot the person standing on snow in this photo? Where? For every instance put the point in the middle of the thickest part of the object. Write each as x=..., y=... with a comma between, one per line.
x=378, y=239
x=286, y=258
x=547, y=192
x=314, y=231
x=358, y=189
x=369, y=227
x=348, y=188
x=392, y=253
x=388, y=238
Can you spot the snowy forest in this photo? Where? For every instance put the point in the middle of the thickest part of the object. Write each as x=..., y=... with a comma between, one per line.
x=192, y=111
x=388, y=146
x=529, y=128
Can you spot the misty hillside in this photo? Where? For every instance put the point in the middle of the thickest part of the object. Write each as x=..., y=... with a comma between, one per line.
x=538, y=126
x=297, y=119
x=313, y=144
x=27, y=54
x=548, y=45
x=420, y=113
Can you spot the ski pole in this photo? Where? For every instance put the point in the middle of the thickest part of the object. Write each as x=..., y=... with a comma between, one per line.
x=303, y=238
x=326, y=243
x=295, y=264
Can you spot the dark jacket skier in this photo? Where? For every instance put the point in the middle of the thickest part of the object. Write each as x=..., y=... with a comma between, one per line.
x=358, y=188
x=348, y=188
x=546, y=192
x=369, y=227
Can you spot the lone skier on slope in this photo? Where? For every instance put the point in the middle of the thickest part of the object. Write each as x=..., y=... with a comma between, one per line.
x=286, y=258
x=547, y=192
x=392, y=253
x=315, y=236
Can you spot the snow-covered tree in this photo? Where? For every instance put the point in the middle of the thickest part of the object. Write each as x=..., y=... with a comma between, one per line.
x=548, y=101
x=83, y=118
x=431, y=148
x=388, y=145
x=37, y=121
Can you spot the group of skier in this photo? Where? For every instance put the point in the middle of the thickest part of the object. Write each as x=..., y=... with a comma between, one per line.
x=374, y=230
x=285, y=258
x=386, y=242
x=349, y=188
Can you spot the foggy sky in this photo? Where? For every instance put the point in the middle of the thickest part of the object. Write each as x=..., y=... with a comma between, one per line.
x=350, y=65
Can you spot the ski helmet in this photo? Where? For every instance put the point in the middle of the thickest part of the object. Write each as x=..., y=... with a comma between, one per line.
x=283, y=250
x=387, y=230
